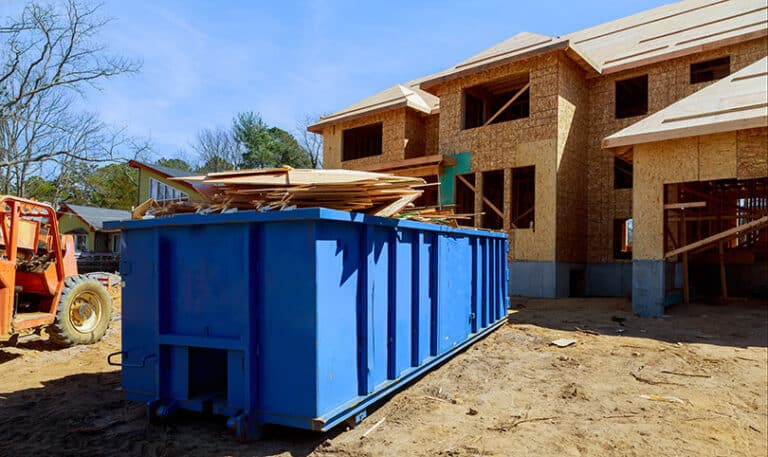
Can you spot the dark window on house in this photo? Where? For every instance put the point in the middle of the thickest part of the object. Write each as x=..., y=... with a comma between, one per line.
x=493, y=201
x=622, y=174
x=710, y=70
x=361, y=142
x=464, y=191
x=632, y=97
x=523, y=197
x=493, y=101
x=622, y=238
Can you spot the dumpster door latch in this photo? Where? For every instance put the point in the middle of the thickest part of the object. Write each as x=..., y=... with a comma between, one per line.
x=130, y=365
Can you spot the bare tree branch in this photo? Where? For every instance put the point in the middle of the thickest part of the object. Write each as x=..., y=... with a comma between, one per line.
x=312, y=143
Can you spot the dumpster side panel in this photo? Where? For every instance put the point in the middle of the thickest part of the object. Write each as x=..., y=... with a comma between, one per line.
x=138, y=269
x=202, y=284
x=377, y=242
x=455, y=291
x=286, y=323
x=338, y=276
x=423, y=291
x=401, y=293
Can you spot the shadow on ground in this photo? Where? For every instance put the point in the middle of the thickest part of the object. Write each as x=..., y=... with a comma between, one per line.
x=85, y=414
x=736, y=324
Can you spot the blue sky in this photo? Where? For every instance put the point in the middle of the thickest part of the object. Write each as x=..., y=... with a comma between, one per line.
x=205, y=61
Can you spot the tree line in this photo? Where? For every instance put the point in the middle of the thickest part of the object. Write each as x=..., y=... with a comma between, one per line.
x=53, y=150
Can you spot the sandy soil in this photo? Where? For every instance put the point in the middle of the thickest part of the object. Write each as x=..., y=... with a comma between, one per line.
x=510, y=394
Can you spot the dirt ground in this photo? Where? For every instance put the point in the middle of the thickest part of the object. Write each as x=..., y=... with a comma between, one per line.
x=692, y=383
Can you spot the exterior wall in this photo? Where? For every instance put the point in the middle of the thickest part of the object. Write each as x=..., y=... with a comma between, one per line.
x=143, y=193
x=668, y=82
x=741, y=155
x=518, y=143
x=415, y=135
x=432, y=131
x=572, y=164
x=392, y=144
x=406, y=134
x=69, y=222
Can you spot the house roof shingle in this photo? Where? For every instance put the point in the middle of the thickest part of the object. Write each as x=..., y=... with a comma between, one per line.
x=658, y=34
x=95, y=217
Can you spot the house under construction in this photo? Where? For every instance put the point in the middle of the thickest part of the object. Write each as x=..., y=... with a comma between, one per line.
x=630, y=158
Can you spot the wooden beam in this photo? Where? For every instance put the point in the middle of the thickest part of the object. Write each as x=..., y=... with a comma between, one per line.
x=685, y=205
x=435, y=159
x=686, y=281
x=722, y=236
x=723, y=283
x=485, y=200
x=509, y=102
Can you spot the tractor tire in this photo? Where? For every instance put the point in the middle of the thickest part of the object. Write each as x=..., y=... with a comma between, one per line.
x=83, y=314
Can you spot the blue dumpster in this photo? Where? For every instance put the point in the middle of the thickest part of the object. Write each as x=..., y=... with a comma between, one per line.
x=302, y=318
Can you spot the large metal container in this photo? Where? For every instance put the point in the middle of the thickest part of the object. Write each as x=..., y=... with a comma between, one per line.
x=302, y=318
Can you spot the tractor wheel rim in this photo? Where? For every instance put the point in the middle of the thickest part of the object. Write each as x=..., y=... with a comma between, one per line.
x=85, y=312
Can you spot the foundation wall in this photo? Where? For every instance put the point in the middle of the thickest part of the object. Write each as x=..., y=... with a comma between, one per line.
x=668, y=82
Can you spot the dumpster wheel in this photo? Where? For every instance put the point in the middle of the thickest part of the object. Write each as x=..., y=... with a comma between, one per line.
x=83, y=314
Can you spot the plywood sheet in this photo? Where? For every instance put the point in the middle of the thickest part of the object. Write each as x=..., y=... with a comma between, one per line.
x=752, y=153
x=717, y=156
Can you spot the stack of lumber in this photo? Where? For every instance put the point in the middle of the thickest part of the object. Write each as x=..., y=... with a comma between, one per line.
x=286, y=188
x=434, y=215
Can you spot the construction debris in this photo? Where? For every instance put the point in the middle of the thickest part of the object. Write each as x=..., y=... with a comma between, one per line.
x=287, y=188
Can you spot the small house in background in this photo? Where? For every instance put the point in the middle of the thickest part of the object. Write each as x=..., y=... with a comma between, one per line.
x=98, y=249
x=154, y=182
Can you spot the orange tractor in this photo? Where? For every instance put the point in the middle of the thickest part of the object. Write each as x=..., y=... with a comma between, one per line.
x=39, y=283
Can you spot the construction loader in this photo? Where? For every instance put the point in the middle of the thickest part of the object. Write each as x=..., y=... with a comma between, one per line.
x=40, y=287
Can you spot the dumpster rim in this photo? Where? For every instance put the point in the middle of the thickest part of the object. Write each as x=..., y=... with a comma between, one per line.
x=301, y=214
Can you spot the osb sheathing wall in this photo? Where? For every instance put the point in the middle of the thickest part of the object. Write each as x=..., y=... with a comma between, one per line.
x=668, y=82
x=405, y=134
x=741, y=155
x=573, y=127
x=518, y=143
x=393, y=140
x=432, y=128
x=415, y=134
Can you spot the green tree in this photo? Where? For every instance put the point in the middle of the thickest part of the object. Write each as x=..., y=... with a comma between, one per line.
x=113, y=186
x=179, y=164
x=265, y=146
x=40, y=189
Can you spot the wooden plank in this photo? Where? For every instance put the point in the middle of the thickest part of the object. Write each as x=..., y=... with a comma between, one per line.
x=685, y=205
x=735, y=231
x=686, y=281
x=509, y=102
x=723, y=283
x=434, y=159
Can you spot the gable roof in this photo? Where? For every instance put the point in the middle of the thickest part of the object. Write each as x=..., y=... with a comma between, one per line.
x=94, y=217
x=662, y=33
x=408, y=95
x=655, y=35
x=738, y=101
x=166, y=172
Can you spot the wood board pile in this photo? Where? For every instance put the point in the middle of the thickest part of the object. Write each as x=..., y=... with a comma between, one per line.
x=287, y=188
x=434, y=215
